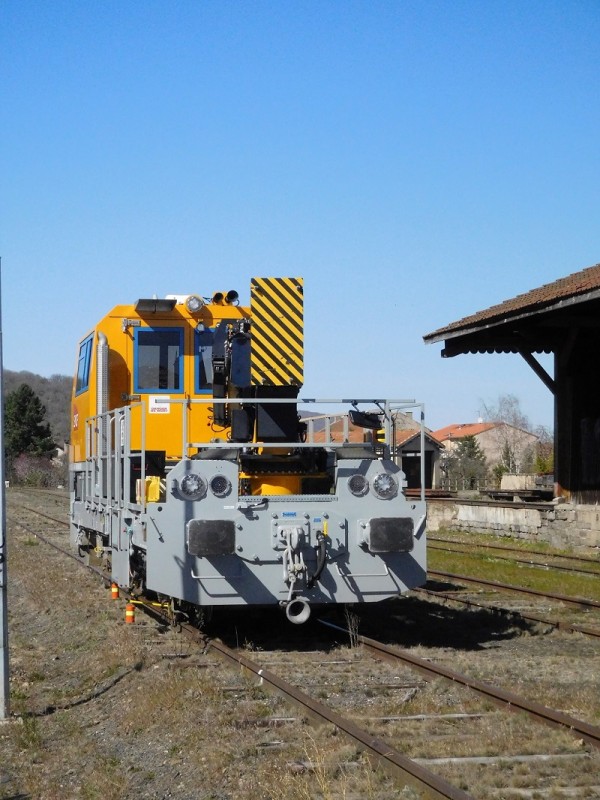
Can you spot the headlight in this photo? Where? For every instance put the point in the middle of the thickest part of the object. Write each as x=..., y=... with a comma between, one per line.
x=385, y=485
x=358, y=485
x=192, y=486
x=193, y=303
x=220, y=485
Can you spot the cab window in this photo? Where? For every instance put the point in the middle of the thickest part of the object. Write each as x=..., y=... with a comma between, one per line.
x=83, y=365
x=204, y=369
x=158, y=360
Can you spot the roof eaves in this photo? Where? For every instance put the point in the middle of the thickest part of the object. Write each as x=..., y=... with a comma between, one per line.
x=473, y=325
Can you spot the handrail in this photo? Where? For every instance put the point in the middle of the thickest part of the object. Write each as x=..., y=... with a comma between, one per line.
x=110, y=435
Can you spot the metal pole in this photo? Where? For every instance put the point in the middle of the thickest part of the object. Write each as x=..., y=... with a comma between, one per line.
x=4, y=687
x=422, y=409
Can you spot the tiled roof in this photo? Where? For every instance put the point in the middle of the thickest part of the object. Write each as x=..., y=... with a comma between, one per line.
x=405, y=435
x=579, y=283
x=460, y=431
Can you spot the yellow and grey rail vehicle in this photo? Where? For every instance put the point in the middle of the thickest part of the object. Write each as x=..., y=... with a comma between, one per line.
x=193, y=475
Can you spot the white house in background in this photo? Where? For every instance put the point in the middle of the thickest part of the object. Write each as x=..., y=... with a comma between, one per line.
x=493, y=439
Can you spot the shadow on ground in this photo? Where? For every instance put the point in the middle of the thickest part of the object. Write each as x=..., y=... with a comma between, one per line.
x=403, y=621
x=415, y=620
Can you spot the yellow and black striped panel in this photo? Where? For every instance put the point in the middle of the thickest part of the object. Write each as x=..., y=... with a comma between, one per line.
x=277, y=309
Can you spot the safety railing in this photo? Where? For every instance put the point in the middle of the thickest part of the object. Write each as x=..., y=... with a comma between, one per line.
x=108, y=465
x=109, y=456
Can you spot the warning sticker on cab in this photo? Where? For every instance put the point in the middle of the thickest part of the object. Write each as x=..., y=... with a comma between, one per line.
x=159, y=404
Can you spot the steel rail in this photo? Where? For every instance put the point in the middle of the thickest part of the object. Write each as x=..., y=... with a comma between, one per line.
x=75, y=558
x=555, y=623
x=391, y=760
x=576, y=601
x=528, y=562
x=507, y=549
x=501, y=697
x=46, y=516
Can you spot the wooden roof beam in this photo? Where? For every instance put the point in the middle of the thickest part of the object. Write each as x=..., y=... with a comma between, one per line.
x=539, y=370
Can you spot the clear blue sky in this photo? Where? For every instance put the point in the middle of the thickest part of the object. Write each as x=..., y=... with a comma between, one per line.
x=415, y=162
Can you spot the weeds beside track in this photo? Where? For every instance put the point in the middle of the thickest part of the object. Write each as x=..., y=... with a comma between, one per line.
x=480, y=750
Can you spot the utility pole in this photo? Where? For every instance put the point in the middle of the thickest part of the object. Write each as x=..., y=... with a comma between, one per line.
x=4, y=685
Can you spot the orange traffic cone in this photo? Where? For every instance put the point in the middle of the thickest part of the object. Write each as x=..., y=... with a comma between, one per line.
x=114, y=591
x=129, y=613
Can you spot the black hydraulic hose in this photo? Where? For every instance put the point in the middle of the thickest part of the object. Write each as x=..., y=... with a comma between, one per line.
x=321, y=549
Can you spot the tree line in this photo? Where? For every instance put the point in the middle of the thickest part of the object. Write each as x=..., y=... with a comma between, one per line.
x=32, y=436
x=54, y=393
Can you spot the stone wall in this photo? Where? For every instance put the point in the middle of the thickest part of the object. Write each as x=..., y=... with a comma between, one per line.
x=561, y=525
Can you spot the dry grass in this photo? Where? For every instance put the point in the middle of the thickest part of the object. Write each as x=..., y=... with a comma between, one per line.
x=172, y=722
x=107, y=710
x=483, y=564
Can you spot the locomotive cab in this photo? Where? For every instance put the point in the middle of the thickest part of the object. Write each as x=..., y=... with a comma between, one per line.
x=195, y=475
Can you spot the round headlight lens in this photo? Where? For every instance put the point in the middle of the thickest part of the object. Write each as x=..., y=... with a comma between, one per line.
x=193, y=303
x=358, y=485
x=192, y=486
x=220, y=485
x=385, y=485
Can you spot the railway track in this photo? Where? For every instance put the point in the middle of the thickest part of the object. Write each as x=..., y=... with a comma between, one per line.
x=380, y=749
x=498, y=695
x=589, y=733
x=552, y=622
x=547, y=565
x=392, y=760
x=502, y=548
x=560, y=596
x=498, y=586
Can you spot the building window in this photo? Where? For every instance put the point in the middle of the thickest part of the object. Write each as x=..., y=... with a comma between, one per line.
x=158, y=359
